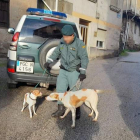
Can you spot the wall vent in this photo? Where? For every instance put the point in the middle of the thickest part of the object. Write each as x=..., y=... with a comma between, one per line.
x=94, y=1
x=115, y=9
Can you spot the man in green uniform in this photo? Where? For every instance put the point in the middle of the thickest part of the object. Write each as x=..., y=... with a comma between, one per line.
x=74, y=61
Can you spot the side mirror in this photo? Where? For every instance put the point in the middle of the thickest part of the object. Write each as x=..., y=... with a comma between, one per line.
x=11, y=30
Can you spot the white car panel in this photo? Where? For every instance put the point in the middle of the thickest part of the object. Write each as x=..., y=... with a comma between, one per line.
x=8, y=53
x=12, y=55
x=20, y=24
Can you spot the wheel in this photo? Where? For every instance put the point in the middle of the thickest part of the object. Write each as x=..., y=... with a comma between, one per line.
x=11, y=84
x=45, y=51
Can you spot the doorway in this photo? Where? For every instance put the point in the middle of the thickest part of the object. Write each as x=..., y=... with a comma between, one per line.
x=83, y=25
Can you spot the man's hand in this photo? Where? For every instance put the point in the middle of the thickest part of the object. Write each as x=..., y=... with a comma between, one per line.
x=47, y=66
x=82, y=77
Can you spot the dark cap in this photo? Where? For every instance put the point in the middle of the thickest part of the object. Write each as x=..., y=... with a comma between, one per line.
x=67, y=30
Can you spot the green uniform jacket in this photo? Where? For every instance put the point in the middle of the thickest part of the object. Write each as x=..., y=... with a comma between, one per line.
x=71, y=55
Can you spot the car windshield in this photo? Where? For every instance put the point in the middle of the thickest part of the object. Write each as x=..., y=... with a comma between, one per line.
x=37, y=31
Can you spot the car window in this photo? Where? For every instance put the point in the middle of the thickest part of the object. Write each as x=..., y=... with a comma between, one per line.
x=37, y=31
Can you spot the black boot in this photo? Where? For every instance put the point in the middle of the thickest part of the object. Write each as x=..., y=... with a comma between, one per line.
x=60, y=111
x=78, y=113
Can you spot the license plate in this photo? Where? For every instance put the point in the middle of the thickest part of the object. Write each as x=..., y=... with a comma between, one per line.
x=23, y=66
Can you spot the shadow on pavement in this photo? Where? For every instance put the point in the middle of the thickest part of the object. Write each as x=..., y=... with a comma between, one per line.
x=42, y=99
x=6, y=95
x=85, y=128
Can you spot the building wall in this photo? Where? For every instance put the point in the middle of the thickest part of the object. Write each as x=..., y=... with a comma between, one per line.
x=108, y=21
x=98, y=15
x=136, y=36
x=17, y=9
x=63, y=6
x=133, y=39
x=138, y=4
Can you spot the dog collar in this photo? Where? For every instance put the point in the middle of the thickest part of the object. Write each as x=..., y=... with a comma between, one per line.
x=30, y=97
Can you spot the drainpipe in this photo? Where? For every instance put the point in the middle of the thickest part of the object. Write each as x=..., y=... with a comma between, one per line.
x=128, y=23
x=46, y=5
x=126, y=6
x=56, y=5
x=126, y=30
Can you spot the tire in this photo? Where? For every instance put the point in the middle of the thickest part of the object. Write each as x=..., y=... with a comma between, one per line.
x=45, y=51
x=11, y=84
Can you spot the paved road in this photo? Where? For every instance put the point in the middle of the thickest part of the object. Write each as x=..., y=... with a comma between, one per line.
x=119, y=106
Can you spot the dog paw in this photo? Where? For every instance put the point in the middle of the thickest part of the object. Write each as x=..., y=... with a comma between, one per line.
x=21, y=110
x=72, y=126
x=94, y=120
x=35, y=114
x=89, y=115
x=61, y=117
x=31, y=117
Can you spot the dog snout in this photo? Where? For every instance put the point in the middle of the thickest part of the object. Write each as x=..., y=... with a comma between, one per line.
x=46, y=98
x=40, y=93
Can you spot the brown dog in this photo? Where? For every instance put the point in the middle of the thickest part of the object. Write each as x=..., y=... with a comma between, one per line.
x=74, y=99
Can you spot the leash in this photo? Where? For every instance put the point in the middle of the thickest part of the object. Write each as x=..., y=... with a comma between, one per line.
x=77, y=85
x=49, y=75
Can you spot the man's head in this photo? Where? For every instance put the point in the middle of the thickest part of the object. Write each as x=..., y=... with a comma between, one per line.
x=68, y=33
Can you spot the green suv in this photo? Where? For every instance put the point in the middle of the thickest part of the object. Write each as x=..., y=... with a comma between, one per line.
x=35, y=38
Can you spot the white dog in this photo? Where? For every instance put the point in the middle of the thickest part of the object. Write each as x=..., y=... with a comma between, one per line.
x=30, y=99
x=74, y=99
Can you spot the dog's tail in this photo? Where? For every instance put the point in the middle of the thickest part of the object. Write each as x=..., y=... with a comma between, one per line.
x=99, y=91
x=103, y=91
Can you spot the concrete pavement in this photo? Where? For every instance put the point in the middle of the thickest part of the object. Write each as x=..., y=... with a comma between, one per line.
x=119, y=106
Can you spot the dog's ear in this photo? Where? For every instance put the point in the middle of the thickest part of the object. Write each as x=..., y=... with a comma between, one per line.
x=33, y=92
x=56, y=96
x=84, y=89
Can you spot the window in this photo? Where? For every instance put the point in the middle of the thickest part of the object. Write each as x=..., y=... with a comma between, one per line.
x=101, y=37
x=135, y=28
x=100, y=44
x=4, y=13
x=83, y=25
x=37, y=31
